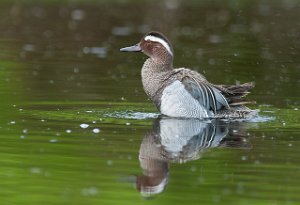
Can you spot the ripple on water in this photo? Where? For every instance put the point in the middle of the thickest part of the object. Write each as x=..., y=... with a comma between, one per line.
x=131, y=115
x=142, y=115
x=259, y=118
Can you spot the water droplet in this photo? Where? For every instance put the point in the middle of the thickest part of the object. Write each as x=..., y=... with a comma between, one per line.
x=244, y=158
x=28, y=47
x=84, y=126
x=121, y=31
x=35, y=170
x=211, y=61
x=214, y=39
x=109, y=162
x=193, y=168
x=78, y=15
x=53, y=140
x=96, y=130
x=90, y=191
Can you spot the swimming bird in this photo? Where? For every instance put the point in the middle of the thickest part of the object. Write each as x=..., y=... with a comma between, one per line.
x=182, y=92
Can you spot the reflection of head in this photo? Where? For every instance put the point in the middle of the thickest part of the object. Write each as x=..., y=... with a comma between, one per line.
x=155, y=167
x=149, y=186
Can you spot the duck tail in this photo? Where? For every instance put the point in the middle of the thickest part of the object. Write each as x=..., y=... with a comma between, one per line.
x=235, y=93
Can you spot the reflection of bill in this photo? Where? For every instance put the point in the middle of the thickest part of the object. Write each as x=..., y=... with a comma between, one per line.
x=181, y=140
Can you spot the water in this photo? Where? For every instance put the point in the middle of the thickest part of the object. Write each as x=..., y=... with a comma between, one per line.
x=77, y=128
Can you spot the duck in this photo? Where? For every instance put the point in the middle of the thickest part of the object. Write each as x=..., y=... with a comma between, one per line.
x=183, y=92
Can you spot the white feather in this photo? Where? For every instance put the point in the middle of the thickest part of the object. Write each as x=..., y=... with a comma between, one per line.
x=176, y=101
x=159, y=40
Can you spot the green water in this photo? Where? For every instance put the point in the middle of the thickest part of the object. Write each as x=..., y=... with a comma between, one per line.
x=61, y=71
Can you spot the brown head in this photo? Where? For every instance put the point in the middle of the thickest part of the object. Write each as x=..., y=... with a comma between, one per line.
x=155, y=45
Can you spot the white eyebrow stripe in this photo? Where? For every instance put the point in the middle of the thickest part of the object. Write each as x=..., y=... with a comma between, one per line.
x=159, y=40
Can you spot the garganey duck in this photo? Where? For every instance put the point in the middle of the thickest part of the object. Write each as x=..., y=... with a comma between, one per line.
x=185, y=93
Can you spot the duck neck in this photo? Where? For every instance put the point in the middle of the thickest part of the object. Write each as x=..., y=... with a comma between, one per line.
x=159, y=65
x=154, y=75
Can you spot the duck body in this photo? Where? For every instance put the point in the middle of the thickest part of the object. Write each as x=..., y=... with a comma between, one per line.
x=168, y=93
x=182, y=92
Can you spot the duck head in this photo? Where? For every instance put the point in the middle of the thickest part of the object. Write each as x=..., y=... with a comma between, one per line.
x=155, y=45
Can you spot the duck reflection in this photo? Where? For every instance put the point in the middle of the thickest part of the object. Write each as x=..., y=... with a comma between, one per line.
x=179, y=141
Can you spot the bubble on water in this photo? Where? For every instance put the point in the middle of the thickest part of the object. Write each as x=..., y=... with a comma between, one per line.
x=12, y=122
x=78, y=15
x=28, y=47
x=193, y=168
x=211, y=61
x=22, y=137
x=121, y=31
x=144, y=28
x=257, y=162
x=243, y=158
x=172, y=4
x=84, y=126
x=96, y=130
x=127, y=123
x=25, y=131
x=100, y=52
x=86, y=50
x=89, y=191
x=215, y=39
x=68, y=131
x=35, y=170
x=53, y=140
x=109, y=162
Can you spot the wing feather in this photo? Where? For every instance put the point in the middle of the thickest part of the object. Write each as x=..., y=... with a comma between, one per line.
x=208, y=96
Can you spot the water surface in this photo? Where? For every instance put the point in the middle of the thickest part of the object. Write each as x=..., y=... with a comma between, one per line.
x=77, y=128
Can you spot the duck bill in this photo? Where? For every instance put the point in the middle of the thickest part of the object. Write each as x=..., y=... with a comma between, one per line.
x=134, y=48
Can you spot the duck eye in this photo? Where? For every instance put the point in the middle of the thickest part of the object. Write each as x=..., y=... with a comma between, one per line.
x=156, y=46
